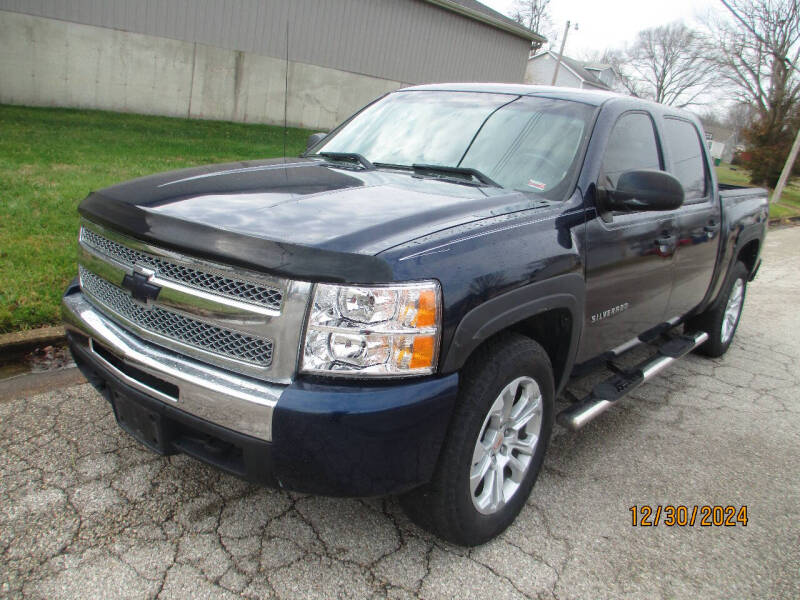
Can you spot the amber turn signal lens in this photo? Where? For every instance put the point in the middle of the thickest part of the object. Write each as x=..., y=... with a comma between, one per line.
x=422, y=354
x=426, y=309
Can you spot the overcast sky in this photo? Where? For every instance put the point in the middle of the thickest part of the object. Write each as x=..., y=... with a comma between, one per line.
x=612, y=23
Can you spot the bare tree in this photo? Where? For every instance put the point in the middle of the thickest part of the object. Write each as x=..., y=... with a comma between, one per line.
x=734, y=117
x=535, y=15
x=739, y=115
x=666, y=64
x=754, y=52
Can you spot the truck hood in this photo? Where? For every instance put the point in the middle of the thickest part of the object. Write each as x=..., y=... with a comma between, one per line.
x=243, y=211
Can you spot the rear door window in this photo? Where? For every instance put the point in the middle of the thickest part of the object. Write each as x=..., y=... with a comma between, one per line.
x=686, y=155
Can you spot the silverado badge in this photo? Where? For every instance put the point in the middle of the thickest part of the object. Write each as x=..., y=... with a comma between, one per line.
x=610, y=312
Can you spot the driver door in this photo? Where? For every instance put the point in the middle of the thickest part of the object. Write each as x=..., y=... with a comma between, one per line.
x=628, y=255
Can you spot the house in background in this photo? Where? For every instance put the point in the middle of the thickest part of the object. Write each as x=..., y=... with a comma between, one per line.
x=571, y=73
x=721, y=142
x=604, y=72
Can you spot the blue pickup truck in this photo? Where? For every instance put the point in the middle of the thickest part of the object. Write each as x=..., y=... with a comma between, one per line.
x=396, y=311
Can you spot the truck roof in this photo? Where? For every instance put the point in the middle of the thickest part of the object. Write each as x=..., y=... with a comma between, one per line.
x=592, y=97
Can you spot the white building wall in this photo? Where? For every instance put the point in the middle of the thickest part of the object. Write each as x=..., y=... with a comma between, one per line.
x=540, y=72
x=48, y=62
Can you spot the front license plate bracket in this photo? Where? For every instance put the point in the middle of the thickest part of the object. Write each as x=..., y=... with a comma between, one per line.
x=146, y=426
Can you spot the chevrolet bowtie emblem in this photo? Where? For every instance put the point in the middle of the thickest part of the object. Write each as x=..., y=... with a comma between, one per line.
x=138, y=284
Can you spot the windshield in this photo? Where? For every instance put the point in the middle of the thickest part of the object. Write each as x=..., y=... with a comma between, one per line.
x=520, y=142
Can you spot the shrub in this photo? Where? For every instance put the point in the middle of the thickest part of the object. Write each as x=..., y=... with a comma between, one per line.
x=768, y=145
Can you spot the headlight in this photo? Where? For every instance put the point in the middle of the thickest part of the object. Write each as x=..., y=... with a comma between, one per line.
x=373, y=330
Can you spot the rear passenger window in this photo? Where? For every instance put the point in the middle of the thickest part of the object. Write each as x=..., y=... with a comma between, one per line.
x=632, y=145
x=686, y=154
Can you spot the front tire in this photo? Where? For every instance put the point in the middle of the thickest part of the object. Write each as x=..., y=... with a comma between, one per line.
x=722, y=320
x=495, y=445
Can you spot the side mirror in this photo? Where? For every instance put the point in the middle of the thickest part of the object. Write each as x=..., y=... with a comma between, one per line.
x=314, y=139
x=646, y=189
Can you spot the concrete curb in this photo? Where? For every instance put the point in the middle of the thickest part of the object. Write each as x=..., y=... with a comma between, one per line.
x=21, y=341
x=784, y=221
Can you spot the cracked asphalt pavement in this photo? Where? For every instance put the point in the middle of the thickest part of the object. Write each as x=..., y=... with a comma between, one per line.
x=85, y=512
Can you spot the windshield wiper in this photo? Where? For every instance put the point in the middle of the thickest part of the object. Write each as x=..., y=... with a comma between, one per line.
x=381, y=165
x=459, y=172
x=348, y=157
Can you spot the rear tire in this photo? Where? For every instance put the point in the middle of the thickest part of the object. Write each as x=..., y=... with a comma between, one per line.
x=495, y=445
x=722, y=320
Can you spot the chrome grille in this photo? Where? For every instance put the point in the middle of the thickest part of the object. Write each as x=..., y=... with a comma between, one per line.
x=209, y=282
x=198, y=334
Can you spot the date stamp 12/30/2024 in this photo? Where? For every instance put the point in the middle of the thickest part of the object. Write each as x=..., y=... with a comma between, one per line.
x=680, y=515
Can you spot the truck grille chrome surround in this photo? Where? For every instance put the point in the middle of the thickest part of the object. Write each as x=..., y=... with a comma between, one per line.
x=239, y=319
x=211, y=282
x=175, y=326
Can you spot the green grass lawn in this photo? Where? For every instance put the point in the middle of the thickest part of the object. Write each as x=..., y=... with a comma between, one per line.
x=789, y=206
x=727, y=173
x=50, y=159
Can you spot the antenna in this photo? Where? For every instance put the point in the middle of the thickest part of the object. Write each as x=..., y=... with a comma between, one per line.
x=286, y=95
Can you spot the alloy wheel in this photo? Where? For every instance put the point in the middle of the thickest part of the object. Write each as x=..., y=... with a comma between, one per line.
x=732, y=311
x=506, y=444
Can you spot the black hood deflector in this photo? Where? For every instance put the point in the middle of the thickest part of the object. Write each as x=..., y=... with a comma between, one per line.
x=280, y=258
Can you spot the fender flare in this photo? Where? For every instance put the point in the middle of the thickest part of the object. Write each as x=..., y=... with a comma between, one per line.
x=747, y=235
x=566, y=291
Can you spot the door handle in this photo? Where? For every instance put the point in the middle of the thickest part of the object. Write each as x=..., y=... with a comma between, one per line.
x=711, y=227
x=665, y=245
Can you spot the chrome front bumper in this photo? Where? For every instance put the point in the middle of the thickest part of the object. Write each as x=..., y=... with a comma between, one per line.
x=215, y=395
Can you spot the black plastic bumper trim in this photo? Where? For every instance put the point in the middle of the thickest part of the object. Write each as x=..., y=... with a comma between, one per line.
x=235, y=453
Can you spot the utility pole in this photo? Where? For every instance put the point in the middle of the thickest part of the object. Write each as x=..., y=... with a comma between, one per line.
x=560, y=54
x=787, y=169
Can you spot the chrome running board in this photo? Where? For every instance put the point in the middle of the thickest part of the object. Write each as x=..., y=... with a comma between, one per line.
x=604, y=395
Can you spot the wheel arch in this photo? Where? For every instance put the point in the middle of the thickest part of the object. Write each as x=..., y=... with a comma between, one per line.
x=748, y=254
x=549, y=312
x=745, y=246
